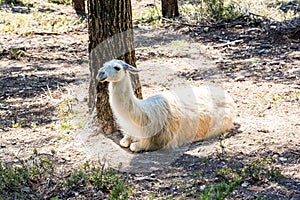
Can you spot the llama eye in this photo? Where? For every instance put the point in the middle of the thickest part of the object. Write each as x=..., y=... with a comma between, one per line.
x=117, y=68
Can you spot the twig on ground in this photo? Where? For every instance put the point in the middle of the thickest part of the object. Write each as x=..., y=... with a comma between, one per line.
x=228, y=43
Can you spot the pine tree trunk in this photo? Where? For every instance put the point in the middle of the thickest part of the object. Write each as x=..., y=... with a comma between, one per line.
x=110, y=36
x=79, y=6
x=169, y=8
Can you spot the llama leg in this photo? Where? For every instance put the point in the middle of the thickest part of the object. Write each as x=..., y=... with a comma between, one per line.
x=136, y=147
x=147, y=144
x=126, y=141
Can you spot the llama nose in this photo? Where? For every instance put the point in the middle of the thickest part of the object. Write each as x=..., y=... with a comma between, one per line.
x=101, y=76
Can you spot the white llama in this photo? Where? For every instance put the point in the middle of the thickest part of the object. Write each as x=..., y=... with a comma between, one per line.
x=169, y=119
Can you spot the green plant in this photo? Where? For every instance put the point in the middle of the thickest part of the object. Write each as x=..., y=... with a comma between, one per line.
x=219, y=191
x=81, y=124
x=222, y=146
x=66, y=125
x=4, y=104
x=261, y=169
x=119, y=192
x=219, y=10
x=17, y=179
x=65, y=114
x=210, y=9
x=151, y=16
x=16, y=124
x=33, y=125
x=151, y=196
x=216, y=8
x=30, y=178
x=26, y=24
x=108, y=180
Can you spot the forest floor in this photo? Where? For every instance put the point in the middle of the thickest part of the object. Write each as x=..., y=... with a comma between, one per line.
x=44, y=77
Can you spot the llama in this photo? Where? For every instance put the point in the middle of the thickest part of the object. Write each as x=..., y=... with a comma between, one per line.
x=167, y=120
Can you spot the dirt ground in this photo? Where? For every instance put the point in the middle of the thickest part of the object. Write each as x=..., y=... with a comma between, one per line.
x=43, y=96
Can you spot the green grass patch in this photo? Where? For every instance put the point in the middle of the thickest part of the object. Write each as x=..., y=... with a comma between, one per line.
x=37, y=22
x=16, y=124
x=196, y=11
x=151, y=16
x=262, y=169
x=219, y=191
x=209, y=10
x=41, y=176
x=66, y=113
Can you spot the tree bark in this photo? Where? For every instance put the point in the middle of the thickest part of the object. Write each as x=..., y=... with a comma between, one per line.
x=110, y=36
x=79, y=6
x=169, y=8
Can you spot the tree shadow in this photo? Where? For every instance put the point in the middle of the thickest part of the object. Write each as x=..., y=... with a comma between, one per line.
x=29, y=86
x=24, y=95
x=149, y=37
x=254, y=47
x=17, y=6
x=191, y=170
x=154, y=160
x=260, y=177
x=20, y=116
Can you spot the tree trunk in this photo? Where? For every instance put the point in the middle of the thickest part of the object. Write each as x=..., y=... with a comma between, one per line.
x=110, y=36
x=169, y=8
x=79, y=6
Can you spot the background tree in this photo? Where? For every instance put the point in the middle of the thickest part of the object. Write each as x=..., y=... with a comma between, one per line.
x=110, y=36
x=79, y=6
x=169, y=8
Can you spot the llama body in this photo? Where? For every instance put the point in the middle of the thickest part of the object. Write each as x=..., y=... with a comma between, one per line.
x=169, y=119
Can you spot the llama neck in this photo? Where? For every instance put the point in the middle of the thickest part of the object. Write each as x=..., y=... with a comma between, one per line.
x=122, y=96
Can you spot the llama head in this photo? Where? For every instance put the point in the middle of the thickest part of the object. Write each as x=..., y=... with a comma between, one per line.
x=114, y=71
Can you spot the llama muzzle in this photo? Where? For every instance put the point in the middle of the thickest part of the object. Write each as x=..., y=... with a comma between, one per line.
x=101, y=76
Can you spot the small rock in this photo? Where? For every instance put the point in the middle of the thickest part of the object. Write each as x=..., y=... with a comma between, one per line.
x=245, y=184
x=268, y=78
x=202, y=187
x=26, y=189
x=206, y=29
x=275, y=156
x=239, y=78
x=282, y=159
x=100, y=194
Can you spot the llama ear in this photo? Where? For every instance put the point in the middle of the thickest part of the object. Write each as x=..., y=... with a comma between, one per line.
x=130, y=68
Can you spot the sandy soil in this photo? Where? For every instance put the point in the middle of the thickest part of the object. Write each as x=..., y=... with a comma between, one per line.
x=43, y=101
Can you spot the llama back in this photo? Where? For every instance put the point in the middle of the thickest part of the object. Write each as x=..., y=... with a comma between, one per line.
x=199, y=113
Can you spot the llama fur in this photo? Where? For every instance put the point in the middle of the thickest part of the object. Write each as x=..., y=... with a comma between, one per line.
x=169, y=119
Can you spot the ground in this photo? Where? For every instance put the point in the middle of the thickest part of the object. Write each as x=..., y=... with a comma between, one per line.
x=43, y=96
